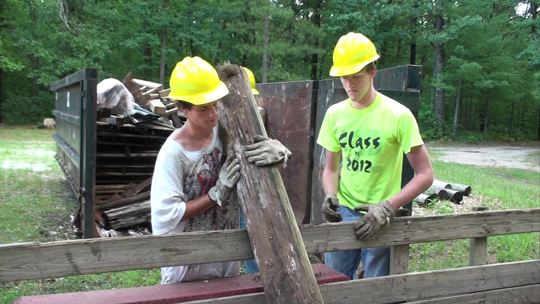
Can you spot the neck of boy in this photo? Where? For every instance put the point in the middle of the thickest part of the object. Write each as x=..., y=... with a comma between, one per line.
x=193, y=137
x=367, y=100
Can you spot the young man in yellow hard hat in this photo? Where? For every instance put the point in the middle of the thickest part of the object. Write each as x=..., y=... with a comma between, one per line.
x=193, y=182
x=368, y=133
x=251, y=78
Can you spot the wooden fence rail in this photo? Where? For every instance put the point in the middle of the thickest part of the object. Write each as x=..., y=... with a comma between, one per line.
x=24, y=261
x=498, y=283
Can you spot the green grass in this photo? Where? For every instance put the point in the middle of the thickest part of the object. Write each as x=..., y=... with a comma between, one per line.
x=35, y=204
x=36, y=201
x=25, y=133
x=497, y=189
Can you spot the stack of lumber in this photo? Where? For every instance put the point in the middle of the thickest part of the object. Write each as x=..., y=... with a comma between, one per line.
x=126, y=151
x=125, y=158
x=151, y=96
x=441, y=190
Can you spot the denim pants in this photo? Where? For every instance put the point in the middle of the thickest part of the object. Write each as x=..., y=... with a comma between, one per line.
x=251, y=265
x=376, y=260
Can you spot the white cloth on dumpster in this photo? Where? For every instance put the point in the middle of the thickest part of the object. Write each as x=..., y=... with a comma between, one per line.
x=112, y=94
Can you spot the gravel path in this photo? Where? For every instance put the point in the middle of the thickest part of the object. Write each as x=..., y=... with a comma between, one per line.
x=526, y=158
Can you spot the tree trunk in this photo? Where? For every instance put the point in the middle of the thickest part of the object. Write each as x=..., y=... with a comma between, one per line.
x=147, y=54
x=456, y=113
x=284, y=265
x=265, y=55
x=486, y=115
x=163, y=47
x=511, y=131
x=414, y=32
x=533, y=10
x=423, y=61
x=469, y=116
x=315, y=57
x=438, y=92
x=2, y=25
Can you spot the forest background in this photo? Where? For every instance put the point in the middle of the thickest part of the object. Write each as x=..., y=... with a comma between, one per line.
x=480, y=58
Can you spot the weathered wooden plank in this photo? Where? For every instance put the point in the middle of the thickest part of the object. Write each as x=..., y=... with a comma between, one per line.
x=284, y=265
x=478, y=251
x=517, y=295
x=149, y=84
x=164, y=93
x=177, y=123
x=138, y=188
x=120, y=187
x=123, y=174
x=130, y=222
x=424, y=285
x=26, y=261
x=171, y=111
x=399, y=259
x=157, y=107
x=133, y=210
x=147, y=136
x=123, y=201
x=147, y=154
x=411, y=230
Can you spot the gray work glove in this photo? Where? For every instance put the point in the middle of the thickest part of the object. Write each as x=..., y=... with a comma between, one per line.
x=266, y=151
x=329, y=208
x=377, y=216
x=228, y=177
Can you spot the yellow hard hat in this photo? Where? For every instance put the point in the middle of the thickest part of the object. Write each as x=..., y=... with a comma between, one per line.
x=195, y=81
x=352, y=53
x=251, y=80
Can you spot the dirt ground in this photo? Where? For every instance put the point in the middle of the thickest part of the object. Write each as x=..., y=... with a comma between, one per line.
x=518, y=157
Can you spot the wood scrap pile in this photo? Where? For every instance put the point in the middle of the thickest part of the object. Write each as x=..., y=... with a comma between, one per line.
x=126, y=152
x=441, y=190
x=153, y=107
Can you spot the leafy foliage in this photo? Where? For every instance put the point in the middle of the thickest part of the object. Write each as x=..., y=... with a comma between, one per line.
x=491, y=68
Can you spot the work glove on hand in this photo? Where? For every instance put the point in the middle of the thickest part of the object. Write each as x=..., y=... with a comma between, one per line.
x=266, y=151
x=329, y=208
x=377, y=216
x=228, y=177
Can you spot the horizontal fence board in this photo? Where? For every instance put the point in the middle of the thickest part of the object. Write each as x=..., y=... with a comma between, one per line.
x=411, y=230
x=423, y=285
x=56, y=259
x=517, y=295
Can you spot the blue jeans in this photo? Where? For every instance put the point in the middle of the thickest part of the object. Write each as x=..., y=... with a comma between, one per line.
x=251, y=265
x=376, y=260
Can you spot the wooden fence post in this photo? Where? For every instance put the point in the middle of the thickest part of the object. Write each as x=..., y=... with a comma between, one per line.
x=399, y=255
x=478, y=247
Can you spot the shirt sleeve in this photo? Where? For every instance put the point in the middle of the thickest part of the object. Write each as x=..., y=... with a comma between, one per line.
x=408, y=133
x=167, y=196
x=327, y=137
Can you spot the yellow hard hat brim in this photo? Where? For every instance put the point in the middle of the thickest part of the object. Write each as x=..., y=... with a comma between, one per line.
x=204, y=98
x=339, y=71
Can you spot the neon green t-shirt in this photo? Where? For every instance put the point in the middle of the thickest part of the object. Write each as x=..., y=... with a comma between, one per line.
x=372, y=142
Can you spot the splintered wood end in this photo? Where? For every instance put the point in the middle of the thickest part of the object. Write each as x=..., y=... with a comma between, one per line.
x=228, y=70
